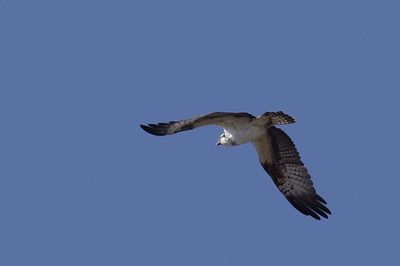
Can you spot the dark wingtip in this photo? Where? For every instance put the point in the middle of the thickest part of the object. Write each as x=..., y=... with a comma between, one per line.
x=311, y=207
x=320, y=199
x=154, y=130
x=316, y=217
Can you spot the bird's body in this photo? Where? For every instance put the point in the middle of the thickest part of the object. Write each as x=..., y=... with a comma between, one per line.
x=276, y=151
x=241, y=134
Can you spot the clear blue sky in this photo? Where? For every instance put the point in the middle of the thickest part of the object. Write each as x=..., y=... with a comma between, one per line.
x=82, y=184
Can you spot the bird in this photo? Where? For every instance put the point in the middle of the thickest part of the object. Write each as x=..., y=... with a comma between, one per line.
x=277, y=153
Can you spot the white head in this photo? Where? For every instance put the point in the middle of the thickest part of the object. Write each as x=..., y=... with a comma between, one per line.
x=225, y=140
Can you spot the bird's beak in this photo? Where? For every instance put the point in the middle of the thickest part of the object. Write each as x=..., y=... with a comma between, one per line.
x=217, y=143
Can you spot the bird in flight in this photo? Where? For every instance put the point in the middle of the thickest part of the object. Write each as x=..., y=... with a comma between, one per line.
x=276, y=151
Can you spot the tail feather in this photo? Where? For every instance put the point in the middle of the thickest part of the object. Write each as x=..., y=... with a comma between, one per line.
x=276, y=118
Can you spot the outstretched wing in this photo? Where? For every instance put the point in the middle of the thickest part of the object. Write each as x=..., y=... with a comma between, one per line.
x=217, y=118
x=280, y=158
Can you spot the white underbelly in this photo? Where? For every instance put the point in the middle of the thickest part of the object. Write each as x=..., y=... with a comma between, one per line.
x=244, y=134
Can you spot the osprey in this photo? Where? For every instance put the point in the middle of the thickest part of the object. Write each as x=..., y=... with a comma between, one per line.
x=276, y=151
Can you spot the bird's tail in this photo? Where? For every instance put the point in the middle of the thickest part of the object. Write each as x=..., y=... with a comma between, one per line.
x=275, y=118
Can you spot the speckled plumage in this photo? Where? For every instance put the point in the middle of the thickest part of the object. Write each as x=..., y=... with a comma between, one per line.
x=276, y=151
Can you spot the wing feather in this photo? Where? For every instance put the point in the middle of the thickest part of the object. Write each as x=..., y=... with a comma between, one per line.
x=281, y=160
x=223, y=119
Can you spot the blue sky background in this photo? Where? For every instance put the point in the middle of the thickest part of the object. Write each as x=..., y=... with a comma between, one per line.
x=82, y=184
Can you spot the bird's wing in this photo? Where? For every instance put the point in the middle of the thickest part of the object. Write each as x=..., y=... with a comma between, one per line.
x=280, y=158
x=223, y=119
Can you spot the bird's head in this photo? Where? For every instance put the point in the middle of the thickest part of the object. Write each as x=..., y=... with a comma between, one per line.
x=224, y=140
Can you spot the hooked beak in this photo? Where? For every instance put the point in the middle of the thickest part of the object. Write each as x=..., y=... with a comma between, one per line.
x=218, y=143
